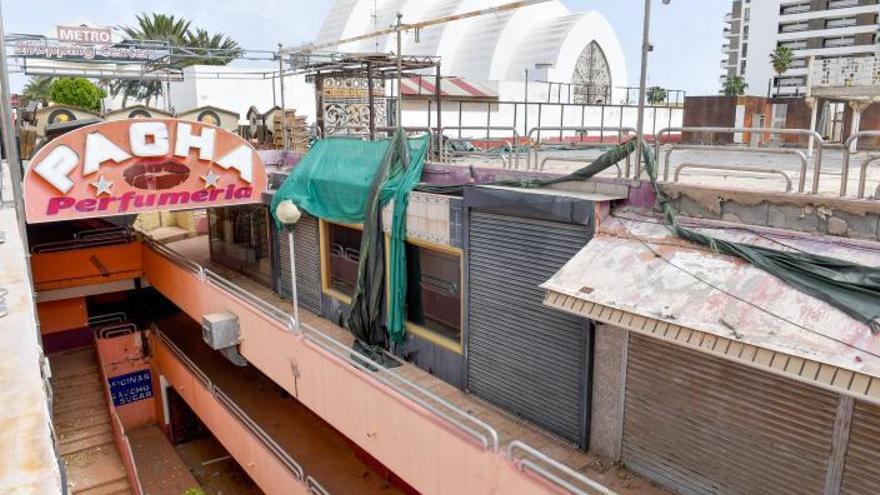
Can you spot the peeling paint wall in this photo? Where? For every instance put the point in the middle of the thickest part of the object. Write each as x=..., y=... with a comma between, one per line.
x=857, y=219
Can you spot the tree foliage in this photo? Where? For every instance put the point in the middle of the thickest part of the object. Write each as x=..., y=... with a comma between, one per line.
x=656, y=95
x=77, y=91
x=37, y=89
x=735, y=86
x=199, y=47
x=781, y=59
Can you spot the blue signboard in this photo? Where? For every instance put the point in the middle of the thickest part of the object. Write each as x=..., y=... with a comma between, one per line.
x=131, y=387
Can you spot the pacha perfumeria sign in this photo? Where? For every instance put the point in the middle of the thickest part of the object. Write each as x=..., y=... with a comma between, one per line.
x=124, y=167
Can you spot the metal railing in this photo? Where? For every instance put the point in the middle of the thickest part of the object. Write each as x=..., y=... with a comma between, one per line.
x=728, y=168
x=848, y=150
x=315, y=488
x=292, y=465
x=514, y=152
x=534, y=146
x=339, y=349
x=863, y=176
x=485, y=434
x=816, y=138
x=539, y=462
x=488, y=438
x=802, y=176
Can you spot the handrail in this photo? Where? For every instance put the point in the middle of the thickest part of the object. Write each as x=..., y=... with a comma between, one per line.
x=488, y=438
x=802, y=176
x=817, y=160
x=345, y=352
x=534, y=146
x=85, y=234
x=234, y=408
x=315, y=488
x=114, y=330
x=187, y=362
x=259, y=432
x=863, y=175
x=848, y=150
x=229, y=286
x=731, y=168
x=522, y=462
x=116, y=317
x=488, y=129
x=51, y=247
x=384, y=375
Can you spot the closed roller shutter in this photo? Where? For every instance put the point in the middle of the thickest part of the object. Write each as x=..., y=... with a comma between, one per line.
x=702, y=425
x=861, y=471
x=308, y=263
x=523, y=356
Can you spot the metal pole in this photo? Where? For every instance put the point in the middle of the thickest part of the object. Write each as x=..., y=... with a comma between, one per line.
x=8, y=131
x=371, y=101
x=284, y=141
x=293, y=295
x=643, y=79
x=399, y=70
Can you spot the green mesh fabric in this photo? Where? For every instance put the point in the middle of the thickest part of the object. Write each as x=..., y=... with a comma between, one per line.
x=350, y=181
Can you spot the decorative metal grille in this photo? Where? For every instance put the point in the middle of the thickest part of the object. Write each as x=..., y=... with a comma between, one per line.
x=592, y=78
x=346, y=105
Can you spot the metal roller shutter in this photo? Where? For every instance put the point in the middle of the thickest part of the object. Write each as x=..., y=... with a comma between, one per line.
x=861, y=471
x=308, y=263
x=702, y=425
x=528, y=359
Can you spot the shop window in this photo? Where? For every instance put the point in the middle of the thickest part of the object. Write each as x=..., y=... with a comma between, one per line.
x=240, y=240
x=341, y=252
x=433, y=294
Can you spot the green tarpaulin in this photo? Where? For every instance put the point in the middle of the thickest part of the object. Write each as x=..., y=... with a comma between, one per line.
x=349, y=181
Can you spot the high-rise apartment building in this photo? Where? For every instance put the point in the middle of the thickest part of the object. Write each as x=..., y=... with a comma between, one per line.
x=811, y=28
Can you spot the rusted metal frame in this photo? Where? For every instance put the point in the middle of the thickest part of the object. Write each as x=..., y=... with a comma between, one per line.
x=371, y=103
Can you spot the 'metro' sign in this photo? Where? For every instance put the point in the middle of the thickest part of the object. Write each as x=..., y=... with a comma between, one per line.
x=124, y=167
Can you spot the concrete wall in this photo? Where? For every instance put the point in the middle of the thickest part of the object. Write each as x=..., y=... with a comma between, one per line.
x=609, y=364
x=813, y=214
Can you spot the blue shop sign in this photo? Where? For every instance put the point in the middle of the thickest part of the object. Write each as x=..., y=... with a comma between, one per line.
x=131, y=387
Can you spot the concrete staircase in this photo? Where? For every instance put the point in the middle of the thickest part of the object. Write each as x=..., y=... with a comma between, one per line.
x=82, y=426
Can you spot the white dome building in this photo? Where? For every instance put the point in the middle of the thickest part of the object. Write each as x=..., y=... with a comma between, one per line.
x=545, y=40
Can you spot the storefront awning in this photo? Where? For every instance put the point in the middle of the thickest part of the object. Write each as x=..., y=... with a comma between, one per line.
x=636, y=275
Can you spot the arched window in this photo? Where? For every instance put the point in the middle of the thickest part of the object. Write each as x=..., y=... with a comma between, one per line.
x=592, y=78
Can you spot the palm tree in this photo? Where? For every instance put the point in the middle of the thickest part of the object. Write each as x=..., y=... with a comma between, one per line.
x=734, y=86
x=217, y=49
x=656, y=95
x=37, y=88
x=781, y=59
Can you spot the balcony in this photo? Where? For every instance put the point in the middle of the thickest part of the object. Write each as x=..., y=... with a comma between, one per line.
x=846, y=77
x=440, y=440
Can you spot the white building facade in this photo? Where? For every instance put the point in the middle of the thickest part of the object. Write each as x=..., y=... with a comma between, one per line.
x=543, y=42
x=810, y=28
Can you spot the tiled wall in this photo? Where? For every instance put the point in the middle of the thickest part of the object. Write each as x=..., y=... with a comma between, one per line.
x=430, y=217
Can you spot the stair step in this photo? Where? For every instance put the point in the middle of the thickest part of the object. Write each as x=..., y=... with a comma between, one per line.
x=112, y=487
x=84, y=442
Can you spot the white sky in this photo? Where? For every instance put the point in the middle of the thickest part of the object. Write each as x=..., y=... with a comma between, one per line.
x=686, y=33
